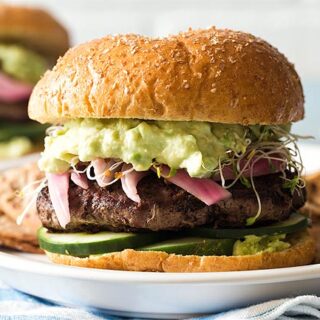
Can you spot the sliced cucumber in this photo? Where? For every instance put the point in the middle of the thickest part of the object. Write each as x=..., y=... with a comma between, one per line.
x=193, y=246
x=85, y=244
x=198, y=241
x=294, y=223
x=32, y=130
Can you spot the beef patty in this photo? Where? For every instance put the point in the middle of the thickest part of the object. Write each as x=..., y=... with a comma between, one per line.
x=167, y=207
x=14, y=111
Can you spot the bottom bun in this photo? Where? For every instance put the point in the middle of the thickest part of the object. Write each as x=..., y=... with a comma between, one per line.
x=301, y=252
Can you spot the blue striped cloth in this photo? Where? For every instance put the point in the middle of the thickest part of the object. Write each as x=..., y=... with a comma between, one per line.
x=15, y=305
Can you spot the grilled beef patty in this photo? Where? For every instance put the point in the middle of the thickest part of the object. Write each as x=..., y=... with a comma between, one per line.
x=165, y=206
x=14, y=111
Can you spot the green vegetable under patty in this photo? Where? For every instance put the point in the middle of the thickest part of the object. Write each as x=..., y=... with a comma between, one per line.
x=32, y=130
x=85, y=244
x=294, y=223
x=194, y=246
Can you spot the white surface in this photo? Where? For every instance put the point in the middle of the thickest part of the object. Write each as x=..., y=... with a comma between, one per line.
x=310, y=154
x=159, y=295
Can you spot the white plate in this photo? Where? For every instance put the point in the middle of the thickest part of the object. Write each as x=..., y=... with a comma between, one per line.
x=158, y=295
x=12, y=163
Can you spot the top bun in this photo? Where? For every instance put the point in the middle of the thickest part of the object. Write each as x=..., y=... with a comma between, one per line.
x=203, y=75
x=33, y=28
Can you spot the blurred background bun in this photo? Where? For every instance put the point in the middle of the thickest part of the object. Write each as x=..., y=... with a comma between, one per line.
x=31, y=40
x=33, y=28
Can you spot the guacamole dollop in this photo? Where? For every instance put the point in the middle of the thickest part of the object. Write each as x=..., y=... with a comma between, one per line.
x=257, y=244
x=15, y=147
x=194, y=146
x=21, y=63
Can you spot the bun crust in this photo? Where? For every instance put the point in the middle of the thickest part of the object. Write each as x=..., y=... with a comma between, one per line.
x=301, y=252
x=204, y=75
x=34, y=28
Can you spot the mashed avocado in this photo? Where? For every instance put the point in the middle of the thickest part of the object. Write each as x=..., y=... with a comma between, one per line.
x=17, y=139
x=253, y=244
x=21, y=63
x=15, y=147
x=195, y=146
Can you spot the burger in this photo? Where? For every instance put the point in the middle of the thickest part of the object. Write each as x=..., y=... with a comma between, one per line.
x=30, y=42
x=172, y=154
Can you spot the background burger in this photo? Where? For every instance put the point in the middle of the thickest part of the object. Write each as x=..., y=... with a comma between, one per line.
x=31, y=40
x=172, y=154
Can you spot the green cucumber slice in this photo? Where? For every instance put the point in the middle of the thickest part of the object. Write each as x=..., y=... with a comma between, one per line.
x=194, y=246
x=294, y=223
x=32, y=130
x=85, y=244
x=202, y=240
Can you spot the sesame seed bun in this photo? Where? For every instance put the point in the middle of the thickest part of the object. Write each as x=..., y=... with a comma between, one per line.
x=204, y=75
x=33, y=28
x=301, y=252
